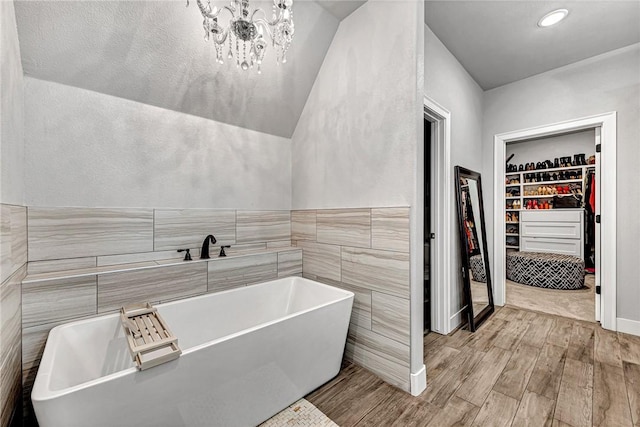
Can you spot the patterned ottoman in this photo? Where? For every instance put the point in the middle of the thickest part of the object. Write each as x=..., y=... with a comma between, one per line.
x=545, y=270
x=477, y=269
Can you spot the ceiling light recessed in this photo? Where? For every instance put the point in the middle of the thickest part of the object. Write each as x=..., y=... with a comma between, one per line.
x=553, y=18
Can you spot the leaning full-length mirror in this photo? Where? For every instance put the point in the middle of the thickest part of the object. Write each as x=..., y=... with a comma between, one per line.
x=473, y=247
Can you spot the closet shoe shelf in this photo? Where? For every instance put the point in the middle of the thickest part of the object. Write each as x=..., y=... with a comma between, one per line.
x=151, y=343
x=525, y=187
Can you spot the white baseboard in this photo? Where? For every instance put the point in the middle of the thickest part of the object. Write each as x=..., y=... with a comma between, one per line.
x=457, y=319
x=419, y=381
x=628, y=326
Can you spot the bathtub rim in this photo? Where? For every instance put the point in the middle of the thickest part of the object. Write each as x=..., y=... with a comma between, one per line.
x=41, y=391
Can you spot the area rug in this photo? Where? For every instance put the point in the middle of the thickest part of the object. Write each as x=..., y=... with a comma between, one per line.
x=301, y=413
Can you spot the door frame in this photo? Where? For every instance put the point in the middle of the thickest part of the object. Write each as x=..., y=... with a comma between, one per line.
x=597, y=229
x=441, y=183
x=440, y=258
x=608, y=198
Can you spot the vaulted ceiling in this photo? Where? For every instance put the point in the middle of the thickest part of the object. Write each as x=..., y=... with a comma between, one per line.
x=341, y=8
x=154, y=52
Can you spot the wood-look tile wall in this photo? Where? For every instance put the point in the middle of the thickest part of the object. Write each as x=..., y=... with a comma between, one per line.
x=262, y=226
x=150, y=284
x=13, y=250
x=231, y=273
x=58, y=233
x=86, y=262
x=186, y=228
x=365, y=251
x=13, y=239
x=85, y=237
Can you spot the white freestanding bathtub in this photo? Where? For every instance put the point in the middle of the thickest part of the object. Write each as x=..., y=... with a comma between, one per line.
x=247, y=353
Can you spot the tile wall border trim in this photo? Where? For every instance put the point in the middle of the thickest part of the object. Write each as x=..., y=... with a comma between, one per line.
x=121, y=268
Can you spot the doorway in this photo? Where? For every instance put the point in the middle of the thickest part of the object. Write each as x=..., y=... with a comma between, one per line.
x=549, y=209
x=428, y=167
x=605, y=274
x=438, y=195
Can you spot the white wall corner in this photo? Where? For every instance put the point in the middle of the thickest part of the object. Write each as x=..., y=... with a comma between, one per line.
x=628, y=326
x=419, y=381
x=456, y=319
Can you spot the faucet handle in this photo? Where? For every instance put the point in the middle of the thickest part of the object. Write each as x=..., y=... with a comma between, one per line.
x=222, y=253
x=187, y=256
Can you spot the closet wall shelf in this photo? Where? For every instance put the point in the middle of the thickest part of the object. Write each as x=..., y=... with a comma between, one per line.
x=539, y=196
x=557, y=181
x=568, y=168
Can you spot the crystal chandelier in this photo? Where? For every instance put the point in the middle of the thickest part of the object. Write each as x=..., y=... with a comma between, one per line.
x=244, y=34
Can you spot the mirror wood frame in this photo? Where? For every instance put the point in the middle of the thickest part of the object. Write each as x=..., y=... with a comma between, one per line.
x=474, y=319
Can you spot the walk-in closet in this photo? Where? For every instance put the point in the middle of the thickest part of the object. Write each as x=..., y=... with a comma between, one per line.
x=550, y=234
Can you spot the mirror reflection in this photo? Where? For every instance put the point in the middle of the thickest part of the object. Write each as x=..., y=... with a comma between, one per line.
x=473, y=229
x=473, y=246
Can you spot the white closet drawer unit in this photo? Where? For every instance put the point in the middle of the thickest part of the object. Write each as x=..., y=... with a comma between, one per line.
x=557, y=231
x=563, y=230
x=552, y=245
x=551, y=215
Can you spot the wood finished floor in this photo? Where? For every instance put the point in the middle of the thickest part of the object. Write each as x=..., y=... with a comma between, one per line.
x=521, y=368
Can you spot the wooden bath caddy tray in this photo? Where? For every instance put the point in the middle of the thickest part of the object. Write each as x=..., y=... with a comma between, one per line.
x=151, y=343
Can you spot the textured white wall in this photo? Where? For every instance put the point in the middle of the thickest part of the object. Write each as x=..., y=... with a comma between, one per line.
x=449, y=84
x=539, y=150
x=11, y=109
x=84, y=148
x=355, y=142
x=609, y=82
